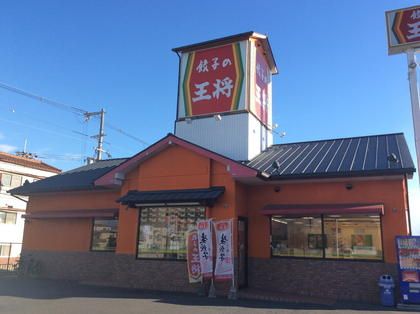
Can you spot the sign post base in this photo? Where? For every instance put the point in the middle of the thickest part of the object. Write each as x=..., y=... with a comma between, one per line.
x=233, y=293
x=212, y=290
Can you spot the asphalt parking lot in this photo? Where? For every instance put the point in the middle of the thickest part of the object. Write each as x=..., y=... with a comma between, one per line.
x=20, y=296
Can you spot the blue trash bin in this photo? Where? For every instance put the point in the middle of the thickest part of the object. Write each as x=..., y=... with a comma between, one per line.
x=387, y=285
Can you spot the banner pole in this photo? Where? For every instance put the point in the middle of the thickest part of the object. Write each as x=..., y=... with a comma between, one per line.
x=212, y=289
x=232, y=292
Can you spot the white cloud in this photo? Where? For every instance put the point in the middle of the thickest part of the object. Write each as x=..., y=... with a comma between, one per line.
x=7, y=148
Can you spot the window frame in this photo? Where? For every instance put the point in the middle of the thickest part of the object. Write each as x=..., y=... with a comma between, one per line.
x=324, y=258
x=91, y=248
x=5, y=244
x=138, y=235
x=8, y=213
x=15, y=177
x=2, y=175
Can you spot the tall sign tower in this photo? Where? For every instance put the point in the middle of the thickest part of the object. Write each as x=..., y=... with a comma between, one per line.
x=403, y=28
x=225, y=95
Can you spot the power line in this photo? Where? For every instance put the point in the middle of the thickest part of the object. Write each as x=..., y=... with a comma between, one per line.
x=44, y=122
x=75, y=110
x=65, y=157
x=127, y=134
x=40, y=129
x=44, y=100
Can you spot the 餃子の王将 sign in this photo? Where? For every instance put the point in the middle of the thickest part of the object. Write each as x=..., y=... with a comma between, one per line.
x=403, y=28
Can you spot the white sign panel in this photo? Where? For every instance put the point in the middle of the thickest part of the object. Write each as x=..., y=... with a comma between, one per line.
x=224, y=255
x=205, y=244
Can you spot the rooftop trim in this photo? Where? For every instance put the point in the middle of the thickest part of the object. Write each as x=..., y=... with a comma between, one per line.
x=237, y=169
x=231, y=39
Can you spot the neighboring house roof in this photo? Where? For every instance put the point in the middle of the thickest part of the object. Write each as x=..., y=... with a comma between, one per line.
x=385, y=154
x=27, y=162
x=81, y=178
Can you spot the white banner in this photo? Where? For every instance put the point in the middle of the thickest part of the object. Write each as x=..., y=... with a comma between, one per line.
x=224, y=254
x=206, y=247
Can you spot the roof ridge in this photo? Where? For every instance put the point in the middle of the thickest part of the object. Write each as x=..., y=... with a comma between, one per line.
x=96, y=162
x=334, y=139
x=112, y=159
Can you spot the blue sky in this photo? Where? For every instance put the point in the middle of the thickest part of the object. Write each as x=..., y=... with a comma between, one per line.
x=336, y=78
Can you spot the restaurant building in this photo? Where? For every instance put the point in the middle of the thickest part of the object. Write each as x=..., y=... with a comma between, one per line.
x=314, y=218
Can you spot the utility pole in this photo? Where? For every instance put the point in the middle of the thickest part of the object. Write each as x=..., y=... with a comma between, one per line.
x=99, y=149
x=101, y=135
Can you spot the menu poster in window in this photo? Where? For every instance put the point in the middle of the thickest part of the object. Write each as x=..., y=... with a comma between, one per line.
x=193, y=257
x=206, y=247
x=315, y=241
x=224, y=250
x=408, y=251
x=361, y=240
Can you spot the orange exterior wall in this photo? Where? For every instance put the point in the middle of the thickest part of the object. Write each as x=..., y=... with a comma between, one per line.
x=70, y=235
x=172, y=169
x=391, y=193
x=178, y=168
x=64, y=234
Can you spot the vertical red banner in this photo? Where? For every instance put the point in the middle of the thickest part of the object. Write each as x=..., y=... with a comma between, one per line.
x=193, y=257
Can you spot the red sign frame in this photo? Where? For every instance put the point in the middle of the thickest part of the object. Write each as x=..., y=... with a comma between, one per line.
x=213, y=80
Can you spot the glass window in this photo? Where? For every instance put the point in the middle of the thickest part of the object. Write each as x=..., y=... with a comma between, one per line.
x=16, y=181
x=354, y=237
x=6, y=179
x=7, y=217
x=11, y=218
x=299, y=237
x=104, y=236
x=162, y=231
x=329, y=236
x=5, y=250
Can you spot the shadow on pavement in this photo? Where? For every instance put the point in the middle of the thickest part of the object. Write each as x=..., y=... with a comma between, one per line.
x=55, y=289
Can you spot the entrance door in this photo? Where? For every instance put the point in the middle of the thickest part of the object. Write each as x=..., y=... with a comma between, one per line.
x=242, y=252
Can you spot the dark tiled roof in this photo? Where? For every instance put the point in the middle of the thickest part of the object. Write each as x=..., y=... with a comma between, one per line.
x=27, y=162
x=355, y=156
x=81, y=178
x=202, y=196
